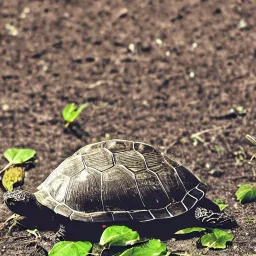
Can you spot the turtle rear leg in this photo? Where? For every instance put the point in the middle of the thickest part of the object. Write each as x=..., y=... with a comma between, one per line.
x=61, y=233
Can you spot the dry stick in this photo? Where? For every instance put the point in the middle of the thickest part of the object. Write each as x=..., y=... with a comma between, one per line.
x=197, y=134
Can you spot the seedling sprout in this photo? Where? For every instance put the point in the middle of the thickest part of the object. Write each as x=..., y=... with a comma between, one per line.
x=71, y=112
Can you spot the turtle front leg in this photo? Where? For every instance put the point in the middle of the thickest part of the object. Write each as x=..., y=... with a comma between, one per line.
x=61, y=233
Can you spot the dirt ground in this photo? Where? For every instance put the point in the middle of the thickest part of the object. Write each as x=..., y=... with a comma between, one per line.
x=151, y=71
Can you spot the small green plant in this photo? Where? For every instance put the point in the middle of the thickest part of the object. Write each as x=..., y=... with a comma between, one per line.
x=18, y=155
x=239, y=110
x=12, y=174
x=220, y=203
x=119, y=236
x=214, y=238
x=217, y=239
x=151, y=248
x=215, y=148
x=190, y=230
x=67, y=248
x=114, y=236
x=246, y=193
x=71, y=112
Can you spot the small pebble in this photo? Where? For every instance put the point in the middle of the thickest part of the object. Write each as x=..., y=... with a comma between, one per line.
x=5, y=107
x=242, y=24
x=192, y=74
x=194, y=45
x=131, y=47
x=159, y=41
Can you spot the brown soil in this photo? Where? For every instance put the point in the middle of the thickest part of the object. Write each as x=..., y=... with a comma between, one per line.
x=152, y=71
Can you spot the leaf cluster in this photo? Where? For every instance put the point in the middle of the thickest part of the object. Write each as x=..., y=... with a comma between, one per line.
x=212, y=238
x=13, y=173
x=114, y=236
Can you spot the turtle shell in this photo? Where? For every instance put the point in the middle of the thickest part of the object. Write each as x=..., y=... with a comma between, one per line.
x=120, y=180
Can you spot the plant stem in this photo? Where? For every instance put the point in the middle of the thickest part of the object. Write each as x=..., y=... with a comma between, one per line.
x=67, y=124
x=6, y=167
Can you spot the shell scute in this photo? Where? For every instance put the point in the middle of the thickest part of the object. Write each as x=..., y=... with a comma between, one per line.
x=63, y=210
x=153, y=158
x=116, y=146
x=84, y=191
x=160, y=214
x=172, y=184
x=176, y=209
x=131, y=160
x=189, y=201
x=99, y=159
x=151, y=189
x=141, y=215
x=119, y=188
x=57, y=188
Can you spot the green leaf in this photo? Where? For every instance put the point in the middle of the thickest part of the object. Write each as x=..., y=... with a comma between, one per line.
x=246, y=194
x=152, y=248
x=221, y=204
x=12, y=176
x=19, y=155
x=70, y=113
x=217, y=239
x=216, y=148
x=119, y=236
x=67, y=248
x=189, y=230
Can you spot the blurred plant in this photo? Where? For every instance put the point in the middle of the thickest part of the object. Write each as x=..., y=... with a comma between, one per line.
x=71, y=112
x=12, y=174
x=220, y=203
x=246, y=193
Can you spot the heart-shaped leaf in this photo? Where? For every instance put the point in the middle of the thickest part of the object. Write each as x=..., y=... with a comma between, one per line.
x=217, y=239
x=246, y=194
x=152, y=248
x=19, y=155
x=119, y=236
x=68, y=248
x=12, y=176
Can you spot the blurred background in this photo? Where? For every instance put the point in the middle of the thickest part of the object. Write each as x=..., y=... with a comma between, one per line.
x=179, y=75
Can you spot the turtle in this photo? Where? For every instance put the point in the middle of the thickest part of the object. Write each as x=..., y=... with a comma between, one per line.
x=119, y=181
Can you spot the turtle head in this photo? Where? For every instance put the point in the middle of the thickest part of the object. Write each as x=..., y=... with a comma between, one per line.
x=21, y=202
x=214, y=219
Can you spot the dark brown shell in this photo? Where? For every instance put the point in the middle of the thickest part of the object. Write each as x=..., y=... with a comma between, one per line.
x=119, y=180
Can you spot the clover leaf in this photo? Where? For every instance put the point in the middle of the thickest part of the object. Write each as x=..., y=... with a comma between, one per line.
x=119, y=236
x=67, y=248
x=246, y=193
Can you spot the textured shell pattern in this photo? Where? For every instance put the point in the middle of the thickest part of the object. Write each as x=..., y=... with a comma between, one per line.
x=119, y=180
